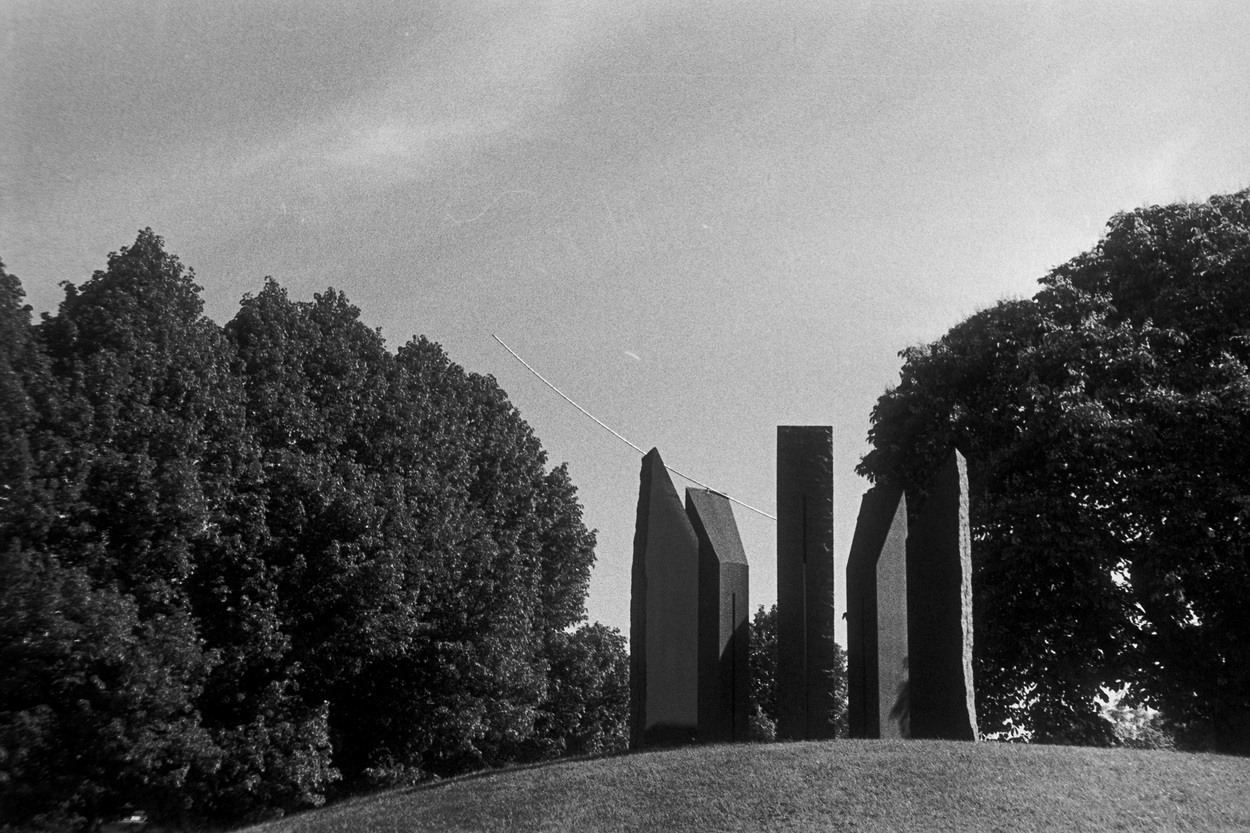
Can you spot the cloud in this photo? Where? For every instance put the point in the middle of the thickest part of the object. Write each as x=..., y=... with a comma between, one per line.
x=491, y=74
x=396, y=147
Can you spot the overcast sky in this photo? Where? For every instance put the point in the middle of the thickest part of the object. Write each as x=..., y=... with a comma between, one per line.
x=701, y=220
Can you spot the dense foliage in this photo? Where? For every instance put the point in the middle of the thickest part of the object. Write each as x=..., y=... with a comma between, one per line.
x=244, y=566
x=1104, y=422
x=763, y=660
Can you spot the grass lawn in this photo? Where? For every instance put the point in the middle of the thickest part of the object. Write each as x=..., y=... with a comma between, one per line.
x=837, y=785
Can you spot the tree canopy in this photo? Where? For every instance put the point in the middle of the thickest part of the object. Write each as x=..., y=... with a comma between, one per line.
x=247, y=565
x=1104, y=423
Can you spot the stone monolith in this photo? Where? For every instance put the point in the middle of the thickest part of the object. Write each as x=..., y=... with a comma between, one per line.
x=806, y=619
x=876, y=613
x=724, y=659
x=664, y=608
x=939, y=609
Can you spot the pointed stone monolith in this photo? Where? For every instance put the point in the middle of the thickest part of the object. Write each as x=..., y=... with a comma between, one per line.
x=664, y=607
x=724, y=658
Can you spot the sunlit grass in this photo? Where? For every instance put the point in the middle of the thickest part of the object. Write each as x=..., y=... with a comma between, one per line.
x=838, y=785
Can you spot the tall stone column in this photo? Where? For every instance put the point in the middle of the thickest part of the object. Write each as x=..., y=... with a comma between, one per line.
x=724, y=658
x=664, y=606
x=806, y=618
x=876, y=613
x=939, y=609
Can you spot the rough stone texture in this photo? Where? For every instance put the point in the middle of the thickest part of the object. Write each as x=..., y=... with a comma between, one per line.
x=894, y=705
x=664, y=607
x=806, y=618
x=724, y=661
x=876, y=612
x=939, y=609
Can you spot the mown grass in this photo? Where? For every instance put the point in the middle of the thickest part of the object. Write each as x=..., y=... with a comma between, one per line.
x=837, y=785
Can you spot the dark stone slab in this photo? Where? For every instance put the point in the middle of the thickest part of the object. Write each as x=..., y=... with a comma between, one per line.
x=724, y=659
x=939, y=609
x=876, y=613
x=664, y=604
x=806, y=619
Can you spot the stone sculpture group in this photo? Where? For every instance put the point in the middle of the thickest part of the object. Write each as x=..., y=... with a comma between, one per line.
x=909, y=608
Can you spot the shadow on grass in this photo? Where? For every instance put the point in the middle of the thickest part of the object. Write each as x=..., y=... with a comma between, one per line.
x=436, y=783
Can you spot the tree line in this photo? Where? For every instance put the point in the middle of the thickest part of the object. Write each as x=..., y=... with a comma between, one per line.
x=245, y=567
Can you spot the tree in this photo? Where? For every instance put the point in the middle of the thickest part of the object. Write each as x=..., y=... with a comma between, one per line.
x=586, y=711
x=147, y=386
x=104, y=512
x=764, y=678
x=763, y=661
x=427, y=559
x=241, y=563
x=97, y=710
x=339, y=552
x=27, y=396
x=1102, y=422
x=130, y=513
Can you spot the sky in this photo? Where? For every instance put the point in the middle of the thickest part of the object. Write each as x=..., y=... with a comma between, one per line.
x=700, y=220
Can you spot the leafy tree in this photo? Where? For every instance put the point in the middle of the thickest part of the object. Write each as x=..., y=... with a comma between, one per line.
x=98, y=527
x=840, y=715
x=519, y=586
x=240, y=562
x=1102, y=421
x=136, y=445
x=763, y=659
x=426, y=557
x=147, y=386
x=97, y=711
x=26, y=394
x=586, y=711
x=337, y=551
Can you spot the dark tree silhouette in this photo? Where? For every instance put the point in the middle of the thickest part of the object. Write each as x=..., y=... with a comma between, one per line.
x=243, y=563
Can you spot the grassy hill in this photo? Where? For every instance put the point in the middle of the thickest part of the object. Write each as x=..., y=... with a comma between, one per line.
x=839, y=785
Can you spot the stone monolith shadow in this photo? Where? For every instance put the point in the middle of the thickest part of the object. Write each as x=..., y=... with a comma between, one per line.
x=806, y=619
x=876, y=612
x=939, y=609
x=664, y=608
x=724, y=658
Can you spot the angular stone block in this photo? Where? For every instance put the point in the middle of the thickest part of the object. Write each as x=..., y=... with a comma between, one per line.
x=664, y=607
x=876, y=613
x=939, y=609
x=724, y=658
x=806, y=619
